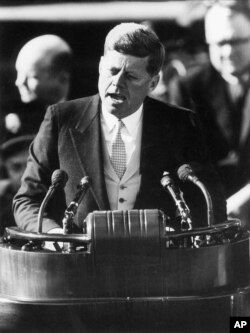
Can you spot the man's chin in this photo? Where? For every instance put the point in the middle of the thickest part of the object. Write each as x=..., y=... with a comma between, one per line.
x=230, y=74
x=116, y=112
x=26, y=99
x=115, y=108
x=230, y=69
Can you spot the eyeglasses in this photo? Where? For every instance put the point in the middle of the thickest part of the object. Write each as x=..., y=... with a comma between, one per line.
x=232, y=42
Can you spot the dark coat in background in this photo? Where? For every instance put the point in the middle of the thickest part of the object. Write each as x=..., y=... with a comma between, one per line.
x=6, y=196
x=70, y=139
x=225, y=123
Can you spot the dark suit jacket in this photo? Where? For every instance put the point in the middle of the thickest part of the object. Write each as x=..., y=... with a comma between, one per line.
x=7, y=193
x=205, y=91
x=70, y=139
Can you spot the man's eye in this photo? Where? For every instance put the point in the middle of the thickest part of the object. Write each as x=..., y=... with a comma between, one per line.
x=16, y=166
x=33, y=77
x=131, y=77
x=112, y=71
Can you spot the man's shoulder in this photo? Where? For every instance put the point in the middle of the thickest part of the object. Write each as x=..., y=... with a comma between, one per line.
x=74, y=109
x=78, y=103
x=165, y=109
x=165, y=116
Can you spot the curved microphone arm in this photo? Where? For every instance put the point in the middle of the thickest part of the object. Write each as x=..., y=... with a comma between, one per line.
x=42, y=209
x=210, y=214
x=59, y=179
x=186, y=173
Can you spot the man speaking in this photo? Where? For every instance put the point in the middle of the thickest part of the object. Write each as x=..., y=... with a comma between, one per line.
x=121, y=139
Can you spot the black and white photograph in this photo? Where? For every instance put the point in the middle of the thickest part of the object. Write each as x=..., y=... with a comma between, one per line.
x=124, y=166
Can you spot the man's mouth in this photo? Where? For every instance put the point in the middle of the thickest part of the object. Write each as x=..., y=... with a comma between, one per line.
x=117, y=97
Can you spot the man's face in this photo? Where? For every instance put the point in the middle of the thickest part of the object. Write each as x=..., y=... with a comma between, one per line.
x=35, y=82
x=124, y=82
x=229, y=43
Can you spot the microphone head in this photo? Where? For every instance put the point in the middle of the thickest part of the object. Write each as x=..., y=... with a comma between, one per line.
x=184, y=172
x=84, y=182
x=59, y=178
x=166, y=179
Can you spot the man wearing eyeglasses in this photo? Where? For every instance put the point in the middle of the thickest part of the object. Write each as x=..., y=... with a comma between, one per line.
x=220, y=94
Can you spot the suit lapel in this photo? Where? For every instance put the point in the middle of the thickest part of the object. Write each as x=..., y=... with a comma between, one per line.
x=149, y=145
x=220, y=104
x=86, y=138
x=148, y=133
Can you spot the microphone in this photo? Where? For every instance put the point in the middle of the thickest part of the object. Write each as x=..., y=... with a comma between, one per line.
x=59, y=179
x=168, y=184
x=71, y=210
x=186, y=173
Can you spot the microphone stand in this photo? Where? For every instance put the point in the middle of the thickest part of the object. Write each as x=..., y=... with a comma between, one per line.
x=43, y=206
x=71, y=211
x=210, y=215
x=58, y=179
x=186, y=173
x=169, y=185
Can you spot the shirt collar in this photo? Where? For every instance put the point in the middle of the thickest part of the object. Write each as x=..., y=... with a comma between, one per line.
x=243, y=80
x=131, y=122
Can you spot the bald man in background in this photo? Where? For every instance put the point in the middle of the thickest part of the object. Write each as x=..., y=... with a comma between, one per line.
x=43, y=66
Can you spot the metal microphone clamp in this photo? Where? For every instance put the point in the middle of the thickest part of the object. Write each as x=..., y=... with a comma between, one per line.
x=71, y=210
x=168, y=184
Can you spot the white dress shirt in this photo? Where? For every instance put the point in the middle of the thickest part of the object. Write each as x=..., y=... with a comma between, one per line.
x=122, y=193
x=129, y=131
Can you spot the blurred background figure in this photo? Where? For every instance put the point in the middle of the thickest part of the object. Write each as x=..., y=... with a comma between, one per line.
x=220, y=94
x=43, y=70
x=173, y=67
x=184, y=50
x=13, y=154
x=43, y=66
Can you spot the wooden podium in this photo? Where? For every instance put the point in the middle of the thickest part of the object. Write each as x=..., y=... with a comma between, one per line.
x=127, y=271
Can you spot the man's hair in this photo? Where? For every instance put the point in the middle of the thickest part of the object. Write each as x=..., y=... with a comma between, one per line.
x=52, y=50
x=139, y=41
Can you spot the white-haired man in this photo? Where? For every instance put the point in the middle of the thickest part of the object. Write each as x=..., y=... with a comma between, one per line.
x=43, y=67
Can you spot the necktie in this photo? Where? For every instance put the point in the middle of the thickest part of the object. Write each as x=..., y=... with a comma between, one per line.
x=118, y=153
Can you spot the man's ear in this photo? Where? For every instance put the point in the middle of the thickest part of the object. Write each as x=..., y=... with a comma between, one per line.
x=154, y=81
x=100, y=64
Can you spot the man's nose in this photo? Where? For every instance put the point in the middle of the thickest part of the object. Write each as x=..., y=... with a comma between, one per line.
x=118, y=79
x=20, y=80
x=226, y=49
